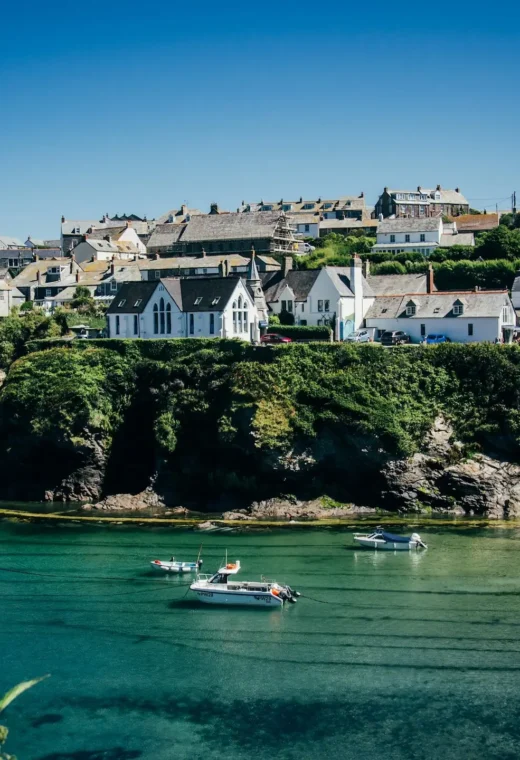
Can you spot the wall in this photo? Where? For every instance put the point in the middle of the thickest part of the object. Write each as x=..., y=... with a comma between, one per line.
x=455, y=328
x=130, y=236
x=430, y=236
x=312, y=231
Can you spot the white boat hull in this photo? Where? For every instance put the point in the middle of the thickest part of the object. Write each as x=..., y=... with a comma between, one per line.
x=249, y=598
x=389, y=546
x=173, y=567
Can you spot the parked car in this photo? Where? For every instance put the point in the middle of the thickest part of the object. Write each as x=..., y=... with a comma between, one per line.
x=271, y=338
x=361, y=336
x=433, y=339
x=394, y=338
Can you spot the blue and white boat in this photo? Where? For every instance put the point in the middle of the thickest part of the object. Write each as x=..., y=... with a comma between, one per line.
x=380, y=539
x=174, y=566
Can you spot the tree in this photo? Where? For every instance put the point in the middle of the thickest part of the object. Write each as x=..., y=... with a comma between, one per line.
x=83, y=300
x=286, y=318
x=500, y=243
x=27, y=306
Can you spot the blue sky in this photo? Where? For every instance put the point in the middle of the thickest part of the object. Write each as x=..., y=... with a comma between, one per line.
x=139, y=107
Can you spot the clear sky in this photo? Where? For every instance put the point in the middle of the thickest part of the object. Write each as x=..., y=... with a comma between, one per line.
x=138, y=107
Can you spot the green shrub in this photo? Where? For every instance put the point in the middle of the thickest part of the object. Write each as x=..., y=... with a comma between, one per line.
x=305, y=332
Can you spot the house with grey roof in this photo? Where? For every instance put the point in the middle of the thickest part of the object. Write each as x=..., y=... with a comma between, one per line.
x=424, y=235
x=73, y=231
x=421, y=203
x=43, y=279
x=462, y=316
x=7, y=242
x=344, y=207
x=267, y=232
x=176, y=307
x=190, y=266
x=338, y=296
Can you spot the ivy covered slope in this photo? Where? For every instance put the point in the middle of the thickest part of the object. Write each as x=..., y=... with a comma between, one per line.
x=220, y=422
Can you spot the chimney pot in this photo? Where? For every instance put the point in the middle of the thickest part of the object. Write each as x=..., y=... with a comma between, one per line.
x=430, y=287
x=439, y=187
x=362, y=194
x=457, y=189
x=62, y=219
x=77, y=276
x=385, y=189
x=287, y=265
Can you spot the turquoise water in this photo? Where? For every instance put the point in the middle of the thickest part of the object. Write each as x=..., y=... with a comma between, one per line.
x=411, y=656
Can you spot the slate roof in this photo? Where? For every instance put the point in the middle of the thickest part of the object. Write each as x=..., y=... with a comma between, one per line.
x=192, y=262
x=28, y=276
x=428, y=224
x=354, y=224
x=476, y=222
x=300, y=282
x=261, y=224
x=187, y=291
x=461, y=238
x=321, y=204
x=99, y=234
x=516, y=284
x=25, y=254
x=49, y=253
x=440, y=305
x=7, y=241
x=52, y=243
x=129, y=295
x=446, y=196
x=165, y=234
x=340, y=276
x=178, y=215
x=398, y=284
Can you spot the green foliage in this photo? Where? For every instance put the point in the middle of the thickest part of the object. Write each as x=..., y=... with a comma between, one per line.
x=274, y=320
x=6, y=700
x=83, y=300
x=16, y=330
x=336, y=250
x=286, y=318
x=390, y=267
x=27, y=306
x=512, y=221
x=500, y=243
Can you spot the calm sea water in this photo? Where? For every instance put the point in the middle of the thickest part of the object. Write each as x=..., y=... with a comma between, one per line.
x=404, y=656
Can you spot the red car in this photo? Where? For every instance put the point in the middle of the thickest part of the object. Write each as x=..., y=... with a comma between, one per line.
x=274, y=338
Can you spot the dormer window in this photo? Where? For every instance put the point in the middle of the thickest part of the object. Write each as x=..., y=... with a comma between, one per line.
x=411, y=308
x=121, y=303
x=308, y=206
x=458, y=308
x=267, y=208
x=198, y=300
x=215, y=301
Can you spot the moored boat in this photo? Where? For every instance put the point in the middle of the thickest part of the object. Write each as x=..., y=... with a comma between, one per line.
x=381, y=539
x=174, y=566
x=219, y=589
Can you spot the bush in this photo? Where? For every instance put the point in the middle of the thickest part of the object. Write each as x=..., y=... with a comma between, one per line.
x=286, y=318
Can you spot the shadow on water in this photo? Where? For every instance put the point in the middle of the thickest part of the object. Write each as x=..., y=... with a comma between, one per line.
x=44, y=720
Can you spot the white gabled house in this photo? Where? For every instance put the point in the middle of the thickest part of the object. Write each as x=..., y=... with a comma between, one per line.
x=422, y=235
x=199, y=307
x=463, y=317
x=332, y=295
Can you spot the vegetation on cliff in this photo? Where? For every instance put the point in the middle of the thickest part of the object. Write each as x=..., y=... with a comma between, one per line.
x=221, y=419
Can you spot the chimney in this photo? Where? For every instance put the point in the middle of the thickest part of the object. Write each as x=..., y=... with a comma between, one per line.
x=72, y=265
x=366, y=267
x=438, y=187
x=419, y=189
x=287, y=265
x=457, y=189
x=213, y=209
x=301, y=199
x=62, y=219
x=430, y=286
x=226, y=267
x=221, y=268
x=385, y=189
x=184, y=209
x=77, y=276
x=39, y=277
x=362, y=194
x=112, y=267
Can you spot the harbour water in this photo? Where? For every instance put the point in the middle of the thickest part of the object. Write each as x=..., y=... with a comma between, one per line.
x=386, y=655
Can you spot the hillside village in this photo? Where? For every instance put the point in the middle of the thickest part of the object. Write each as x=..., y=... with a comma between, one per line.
x=263, y=271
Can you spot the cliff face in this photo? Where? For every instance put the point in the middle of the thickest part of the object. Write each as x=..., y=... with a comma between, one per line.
x=218, y=425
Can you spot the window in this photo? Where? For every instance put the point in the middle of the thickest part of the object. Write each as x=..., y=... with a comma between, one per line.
x=422, y=238
x=505, y=314
x=212, y=324
x=284, y=305
x=113, y=285
x=327, y=305
x=157, y=274
x=307, y=227
x=136, y=324
x=458, y=309
x=192, y=324
x=117, y=325
x=423, y=330
x=470, y=329
x=320, y=306
x=392, y=238
x=267, y=208
x=138, y=302
x=308, y=206
x=289, y=306
x=303, y=307
x=156, y=319
x=215, y=301
x=198, y=300
x=327, y=205
x=48, y=292
x=407, y=238
x=410, y=310
x=162, y=322
x=121, y=303
x=168, y=318
x=436, y=310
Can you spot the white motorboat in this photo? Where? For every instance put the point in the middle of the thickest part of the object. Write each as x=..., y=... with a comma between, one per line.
x=174, y=566
x=380, y=539
x=219, y=589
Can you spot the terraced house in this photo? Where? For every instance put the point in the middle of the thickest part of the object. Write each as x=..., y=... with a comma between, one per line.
x=421, y=203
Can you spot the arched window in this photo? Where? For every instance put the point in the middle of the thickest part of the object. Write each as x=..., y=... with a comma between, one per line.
x=235, y=316
x=245, y=321
x=156, y=319
x=161, y=315
x=168, y=318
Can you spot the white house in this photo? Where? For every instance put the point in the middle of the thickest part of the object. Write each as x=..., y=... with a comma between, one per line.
x=199, y=307
x=104, y=250
x=305, y=225
x=9, y=297
x=463, y=317
x=331, y=295
x=422, y=235
x=117, y=235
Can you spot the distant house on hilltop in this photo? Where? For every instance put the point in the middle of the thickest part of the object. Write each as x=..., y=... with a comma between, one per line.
x=422, y=202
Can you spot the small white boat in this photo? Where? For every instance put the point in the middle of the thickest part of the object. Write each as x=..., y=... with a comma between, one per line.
x=219, y=589
x=174, y=566
x=380, y=539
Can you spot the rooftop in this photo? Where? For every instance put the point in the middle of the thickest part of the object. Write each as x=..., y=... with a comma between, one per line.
x=486, y=303
x=476, y=222
x=428, y=224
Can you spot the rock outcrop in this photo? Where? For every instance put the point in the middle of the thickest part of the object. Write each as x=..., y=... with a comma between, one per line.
x=130, y=502
x=444, y=479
